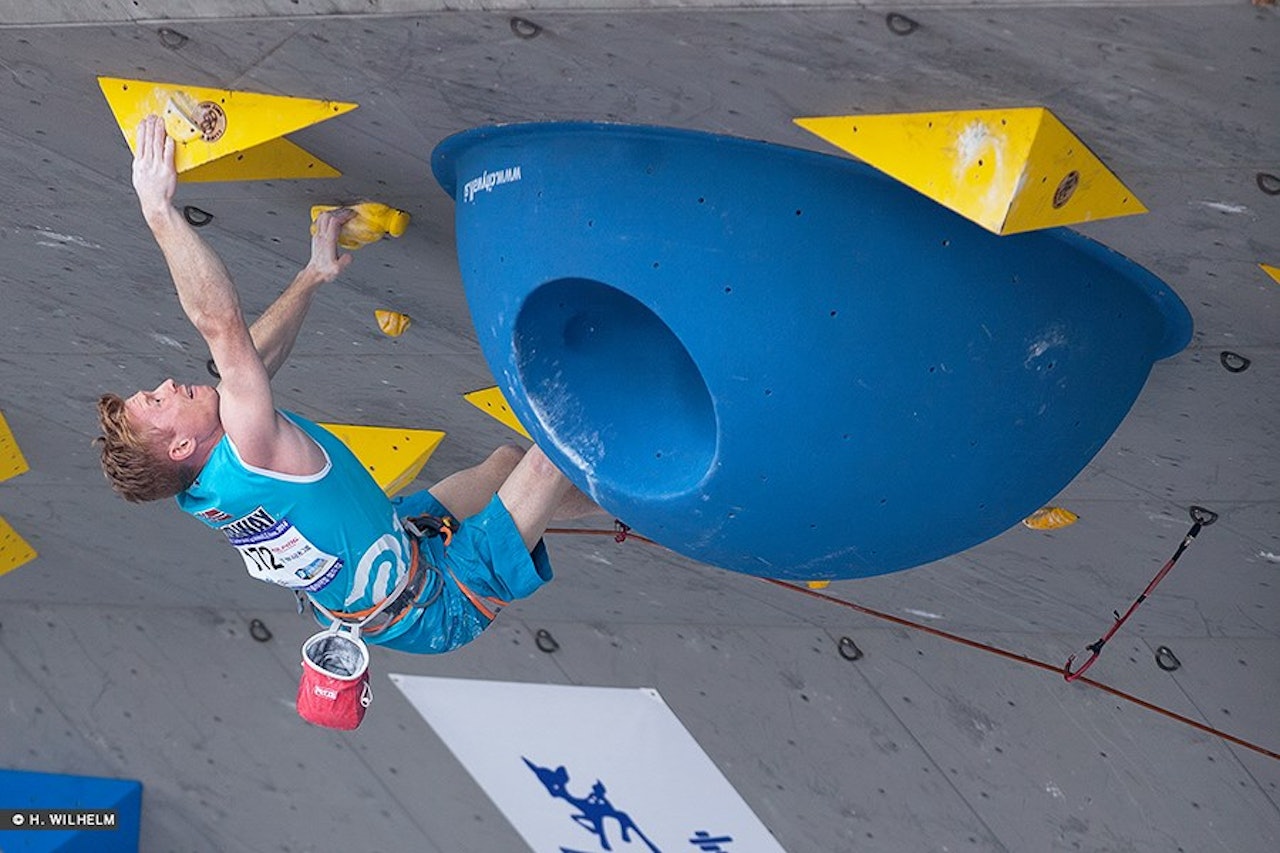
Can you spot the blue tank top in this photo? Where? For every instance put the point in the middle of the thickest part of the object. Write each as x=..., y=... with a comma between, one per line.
x=333, y=535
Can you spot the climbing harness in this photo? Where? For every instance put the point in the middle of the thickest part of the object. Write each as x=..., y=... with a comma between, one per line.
x=488, y=605
x=396, y=606
x=1200, y=518
x=426, y=526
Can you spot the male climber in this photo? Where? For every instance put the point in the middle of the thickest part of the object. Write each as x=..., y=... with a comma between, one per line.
x=296, y=504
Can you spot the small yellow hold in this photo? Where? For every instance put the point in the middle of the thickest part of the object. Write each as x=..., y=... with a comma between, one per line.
x=1272, y=271
x=372, y=222
x=392, y=323
x=818, y=584
x=14, y=550
x=12, y=462
x=491, y=402
x=1050, y=518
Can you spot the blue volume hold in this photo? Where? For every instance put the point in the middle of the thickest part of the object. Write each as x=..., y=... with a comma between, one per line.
x=784, y=363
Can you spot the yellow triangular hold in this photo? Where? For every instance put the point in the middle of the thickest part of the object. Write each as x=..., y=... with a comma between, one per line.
x=1274, y=272
x=1008, y=170
x=393, y=456
x=491, y=402
x=14, y=550
x=215, y=124
x=12, y=462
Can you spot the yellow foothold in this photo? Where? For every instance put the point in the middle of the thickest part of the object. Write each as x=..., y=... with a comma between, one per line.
x=1274, y=272
x=392, y=323
x=393, y=456
x=12, y=462
x=491, y=402
x=372, y=222
x=818, y=584
x=1008, y=170
x=1050, y=518
x=14, y=550
x=224, y=127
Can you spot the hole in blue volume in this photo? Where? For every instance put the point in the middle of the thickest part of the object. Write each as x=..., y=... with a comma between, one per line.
x=614, y=388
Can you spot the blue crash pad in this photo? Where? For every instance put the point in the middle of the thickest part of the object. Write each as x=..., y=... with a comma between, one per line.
x=782, y=362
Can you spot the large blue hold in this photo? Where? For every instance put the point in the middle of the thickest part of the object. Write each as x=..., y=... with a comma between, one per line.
x=784, y=363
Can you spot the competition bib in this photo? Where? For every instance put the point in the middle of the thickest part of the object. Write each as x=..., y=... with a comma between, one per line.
x=277, y=552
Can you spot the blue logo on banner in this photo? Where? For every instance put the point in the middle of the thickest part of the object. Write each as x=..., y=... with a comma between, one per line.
x=707, y=844
x=594, y=809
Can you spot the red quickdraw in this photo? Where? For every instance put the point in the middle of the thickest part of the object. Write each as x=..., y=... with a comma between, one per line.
x=1200, y=518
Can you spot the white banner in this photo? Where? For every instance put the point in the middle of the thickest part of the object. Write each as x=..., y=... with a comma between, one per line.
x=588, y=769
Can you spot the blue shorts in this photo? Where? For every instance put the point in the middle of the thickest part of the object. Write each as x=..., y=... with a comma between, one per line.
x=487, y=554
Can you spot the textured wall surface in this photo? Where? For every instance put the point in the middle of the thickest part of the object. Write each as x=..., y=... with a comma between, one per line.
x=124, y=647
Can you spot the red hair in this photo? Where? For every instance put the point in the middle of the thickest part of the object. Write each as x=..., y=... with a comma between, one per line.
x=134, y=461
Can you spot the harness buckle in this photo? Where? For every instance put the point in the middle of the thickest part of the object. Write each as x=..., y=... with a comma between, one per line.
x=426, y=526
